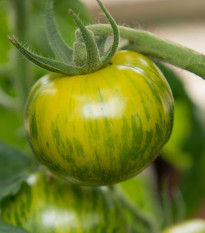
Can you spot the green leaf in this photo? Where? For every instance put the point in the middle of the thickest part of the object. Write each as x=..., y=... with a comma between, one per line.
x=12, y=131
x=174, y=152
x=186, y=148
x=6, y=228
x=13, y=169
x=142, y=194
x=65, y=21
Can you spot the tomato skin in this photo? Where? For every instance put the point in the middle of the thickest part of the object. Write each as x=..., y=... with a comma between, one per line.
x=191, y=226
x=104, y=127
x=52, y=205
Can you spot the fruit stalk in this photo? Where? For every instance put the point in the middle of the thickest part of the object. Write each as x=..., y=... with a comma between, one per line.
x=157, y=47
x=134, y=211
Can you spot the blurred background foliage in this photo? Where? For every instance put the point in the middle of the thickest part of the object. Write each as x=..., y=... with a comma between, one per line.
x=173, y=187
x=25, y=19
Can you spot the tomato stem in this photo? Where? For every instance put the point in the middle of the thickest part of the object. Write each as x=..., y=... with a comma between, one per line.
x=88, y=54
x=134, y=211
x=6, y=101
x=20, y=18
x=154, y=46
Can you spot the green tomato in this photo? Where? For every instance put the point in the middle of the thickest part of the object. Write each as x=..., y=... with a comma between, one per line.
x=56, y=206
x=192, y=226
x=104, y=127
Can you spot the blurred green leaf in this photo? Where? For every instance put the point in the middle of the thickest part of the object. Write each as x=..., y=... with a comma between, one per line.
x=12, y=161
x=193, y=185
x=13, y=169
x=173, y=206
x=173, y=151
x=11, y=124
x=6, y=228
x=64, y=20
x=142, y=191
x=142, y=194
x=186, y=147
x=12, y=132
x=4, y=42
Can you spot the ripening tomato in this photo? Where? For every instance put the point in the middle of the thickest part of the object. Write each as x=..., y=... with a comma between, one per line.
x=54, y=206
x=191, y=226
x=104, y=127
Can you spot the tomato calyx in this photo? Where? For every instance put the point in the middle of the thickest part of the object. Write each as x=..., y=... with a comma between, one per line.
x=87, y=54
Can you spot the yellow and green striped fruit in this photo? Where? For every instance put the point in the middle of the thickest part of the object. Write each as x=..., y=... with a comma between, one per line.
x=56, y=206
x=191, y=226
x=104, y=127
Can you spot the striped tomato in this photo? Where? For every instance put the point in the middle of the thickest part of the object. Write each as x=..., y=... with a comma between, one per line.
x=104, y=127
x=189, y=226
x=56, y=206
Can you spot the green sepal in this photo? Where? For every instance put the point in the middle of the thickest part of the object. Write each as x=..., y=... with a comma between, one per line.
x=101, y=40
x=46, y=63
x=93, y=51
x=79, y=52
x=86, y=57
x=6, y=228
x=61, y=50
x=112, y=50
x=93, y=61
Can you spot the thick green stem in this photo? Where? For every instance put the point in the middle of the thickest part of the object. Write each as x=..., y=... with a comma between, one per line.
x=154, y=46
x=134, y=211
x=138, y=215
x=19, y=21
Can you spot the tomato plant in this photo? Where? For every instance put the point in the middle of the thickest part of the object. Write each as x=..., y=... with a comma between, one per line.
x=100, y=117
x=44, y=205
x=103, y=127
